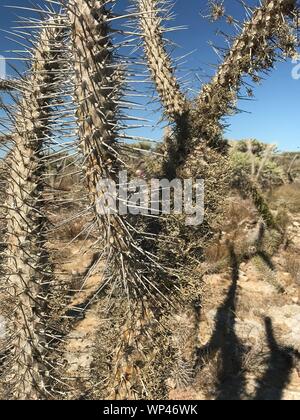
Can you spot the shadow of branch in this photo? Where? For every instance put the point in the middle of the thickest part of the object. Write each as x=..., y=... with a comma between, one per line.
x=230, y=383
x=279, y=368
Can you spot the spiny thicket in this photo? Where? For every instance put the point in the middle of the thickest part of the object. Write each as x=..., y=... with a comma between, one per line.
x=266, y=37
x=139, y=345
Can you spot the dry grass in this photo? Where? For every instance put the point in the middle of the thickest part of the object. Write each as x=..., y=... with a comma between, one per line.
x=239, y=212
x=292, y=265
x=239, y=215
x=287, y=196
x=73, y=229
x=216, y=252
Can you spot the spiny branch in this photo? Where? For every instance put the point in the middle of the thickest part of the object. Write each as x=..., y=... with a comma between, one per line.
x=158, y=59
x=159, y=62
x=27, y=264
x=132, y=273
x=255, y=50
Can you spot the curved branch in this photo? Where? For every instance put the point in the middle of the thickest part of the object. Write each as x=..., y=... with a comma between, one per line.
x=253, y=51
x=159, y=61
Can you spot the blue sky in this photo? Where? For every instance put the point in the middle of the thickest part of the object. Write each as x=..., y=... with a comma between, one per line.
x=274, y=114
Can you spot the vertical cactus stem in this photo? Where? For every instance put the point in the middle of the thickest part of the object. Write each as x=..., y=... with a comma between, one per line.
x=163, y=75
x=131, y=354
x=252, y=190
x=158, y=59
x=253, y=51
x=131, y=272
x=97, y=92
x=28, y=268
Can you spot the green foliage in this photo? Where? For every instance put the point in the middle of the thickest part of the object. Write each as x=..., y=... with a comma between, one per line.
x=258, y=147
x=142, y=145
x=256, y=164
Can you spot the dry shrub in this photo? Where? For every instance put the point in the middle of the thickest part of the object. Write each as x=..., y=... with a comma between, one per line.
x=283, y=218
x=254, y=359
x=288, y=195
x=239, y=210
x=206, y=377
x=72, y=230
x=238, y=217
x=216, y=252
x=292, y=265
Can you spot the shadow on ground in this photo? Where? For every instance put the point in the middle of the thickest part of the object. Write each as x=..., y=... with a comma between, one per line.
x=226, y=349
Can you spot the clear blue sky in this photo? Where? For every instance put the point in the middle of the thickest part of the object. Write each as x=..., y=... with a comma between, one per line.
x=275, y=112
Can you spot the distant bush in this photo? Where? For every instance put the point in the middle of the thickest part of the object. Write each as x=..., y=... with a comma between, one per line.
x=287, y=196
x=255, y=159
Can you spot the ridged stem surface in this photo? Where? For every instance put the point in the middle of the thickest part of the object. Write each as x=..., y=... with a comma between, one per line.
x=28, y=269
